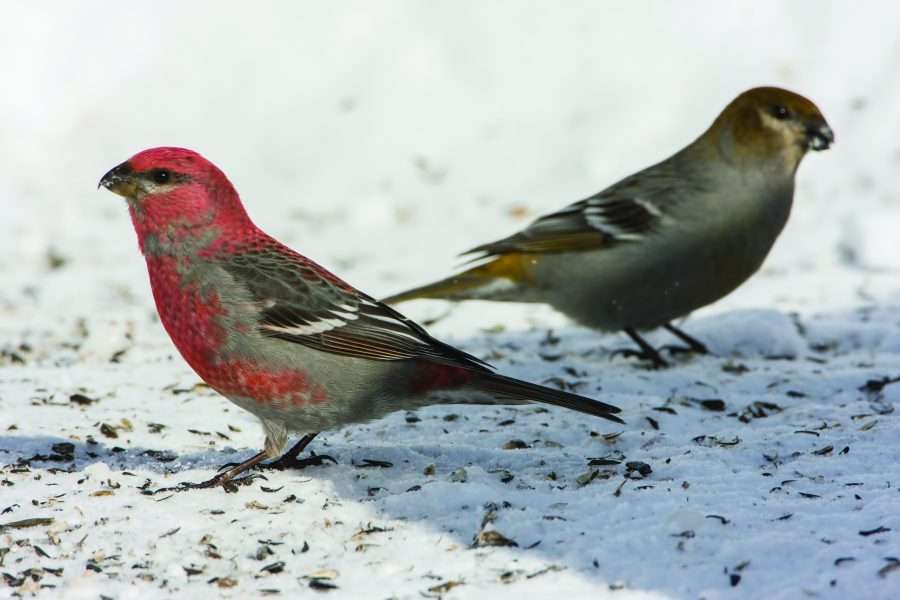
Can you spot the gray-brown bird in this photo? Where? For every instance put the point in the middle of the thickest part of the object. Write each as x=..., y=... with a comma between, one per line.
x=663, y=242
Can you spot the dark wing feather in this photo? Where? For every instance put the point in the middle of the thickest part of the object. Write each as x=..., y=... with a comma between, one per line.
x=303, y=303
x=624, y=212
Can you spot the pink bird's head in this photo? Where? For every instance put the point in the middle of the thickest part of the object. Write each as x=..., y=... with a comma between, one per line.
x=176, y=191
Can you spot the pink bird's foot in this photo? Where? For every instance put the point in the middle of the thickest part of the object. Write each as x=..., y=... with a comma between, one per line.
x=228, y=480
x=289, y=459
x=292, y=462
x=230, y=485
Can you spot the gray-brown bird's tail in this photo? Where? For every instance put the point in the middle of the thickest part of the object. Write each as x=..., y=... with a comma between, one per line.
x=497, y=279
x=516, y=391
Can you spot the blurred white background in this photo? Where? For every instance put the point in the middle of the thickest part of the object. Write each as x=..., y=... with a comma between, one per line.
x=382, y=138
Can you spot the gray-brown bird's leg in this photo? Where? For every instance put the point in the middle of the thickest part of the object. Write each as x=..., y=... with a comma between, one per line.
x=646, y=352
x=289, y=459
x=693, y=345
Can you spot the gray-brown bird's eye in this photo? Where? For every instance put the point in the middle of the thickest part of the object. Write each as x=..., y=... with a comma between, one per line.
x=780, y=112
x=161, y=176
x=643, y=231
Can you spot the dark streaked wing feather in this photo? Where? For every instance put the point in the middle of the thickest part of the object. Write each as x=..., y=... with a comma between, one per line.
x=623, y=212
x=305, y=304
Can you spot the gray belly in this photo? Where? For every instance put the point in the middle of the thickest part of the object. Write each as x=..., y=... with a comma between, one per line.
x=643, y=286
x=346, y=390
x=343, y=389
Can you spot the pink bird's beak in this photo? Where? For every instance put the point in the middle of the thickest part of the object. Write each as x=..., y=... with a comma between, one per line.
x=120, y=180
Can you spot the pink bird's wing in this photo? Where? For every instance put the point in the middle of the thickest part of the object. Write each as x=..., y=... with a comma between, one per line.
x=305, y=304
x=302, y=303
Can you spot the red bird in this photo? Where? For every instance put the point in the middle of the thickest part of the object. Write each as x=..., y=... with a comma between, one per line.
x=279, y=335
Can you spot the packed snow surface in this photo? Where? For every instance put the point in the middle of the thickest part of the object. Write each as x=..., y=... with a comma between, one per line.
x=382, y=139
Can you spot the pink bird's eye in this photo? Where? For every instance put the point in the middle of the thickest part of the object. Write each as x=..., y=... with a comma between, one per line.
x=161, y=176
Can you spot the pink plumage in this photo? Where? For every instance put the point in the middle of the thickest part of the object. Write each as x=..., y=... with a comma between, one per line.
x=275, y=332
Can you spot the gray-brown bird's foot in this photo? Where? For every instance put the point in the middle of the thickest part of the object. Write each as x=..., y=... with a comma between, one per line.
x=694, y=346
x=647, y=352
x=654, y=358
x=676, y=350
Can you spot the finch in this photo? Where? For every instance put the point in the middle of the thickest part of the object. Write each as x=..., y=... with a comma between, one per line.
x=276, y=333
x=664, y=241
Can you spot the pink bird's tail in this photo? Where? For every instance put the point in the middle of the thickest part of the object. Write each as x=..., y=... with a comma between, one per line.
x=515, y=391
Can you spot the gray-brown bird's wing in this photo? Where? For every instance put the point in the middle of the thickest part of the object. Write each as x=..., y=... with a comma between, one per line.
x=301, y=302
x=623, y=212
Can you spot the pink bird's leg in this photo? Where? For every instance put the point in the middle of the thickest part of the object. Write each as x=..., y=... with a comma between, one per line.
x=646, y=352
x=226, y=479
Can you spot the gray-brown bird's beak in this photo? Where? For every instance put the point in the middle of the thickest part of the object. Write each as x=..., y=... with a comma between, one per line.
x=819, y=136
x=120, y=180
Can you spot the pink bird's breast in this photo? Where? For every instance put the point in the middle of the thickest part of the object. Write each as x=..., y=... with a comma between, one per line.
x=193, y=316
x=188, y=313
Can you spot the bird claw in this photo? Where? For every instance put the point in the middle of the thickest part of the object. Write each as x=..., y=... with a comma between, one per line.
x=227, y=484
x=694, y=346
x=676, y=350
x=657, y=361
x=292, y=462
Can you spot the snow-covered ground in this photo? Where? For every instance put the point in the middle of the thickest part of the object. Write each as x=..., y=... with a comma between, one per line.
x=382, y=139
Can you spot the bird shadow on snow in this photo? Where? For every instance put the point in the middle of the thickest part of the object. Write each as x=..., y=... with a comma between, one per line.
x=66, y=455
x=705, y=444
